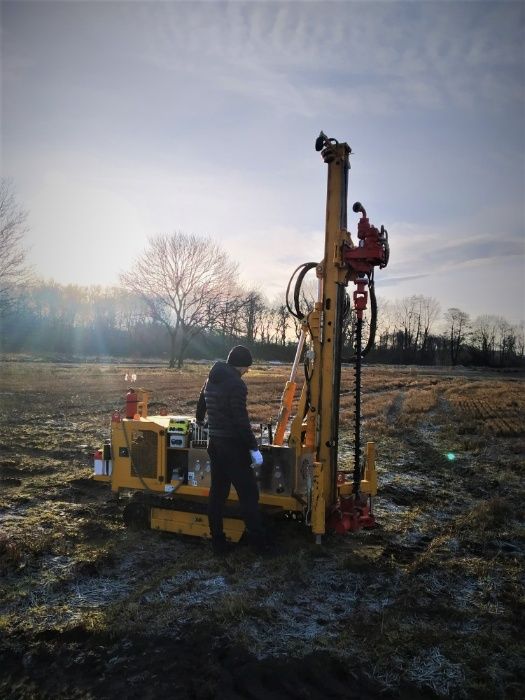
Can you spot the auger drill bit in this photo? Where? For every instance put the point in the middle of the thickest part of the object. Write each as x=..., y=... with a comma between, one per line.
x=357, y=412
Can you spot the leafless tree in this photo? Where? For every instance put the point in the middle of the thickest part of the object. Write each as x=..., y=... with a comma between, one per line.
x=457, y=324
x=132, y=311
x=385, y=323
x=415, y=317
x=13, y=271
x=282, y=320
x=506, y=340
x=182, y=278
x=251, y=314
x=430, y=311
x=268, y=322
x=224, y=317
x=520, y=340
x=407, y=322
x=497, y=341
x=484, y=333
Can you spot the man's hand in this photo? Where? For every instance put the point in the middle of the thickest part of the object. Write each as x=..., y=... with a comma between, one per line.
x=257, y=457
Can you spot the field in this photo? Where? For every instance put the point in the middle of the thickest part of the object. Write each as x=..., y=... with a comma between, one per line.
x=428, y=604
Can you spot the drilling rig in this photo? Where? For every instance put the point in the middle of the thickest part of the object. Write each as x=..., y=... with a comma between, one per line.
x=163, y=459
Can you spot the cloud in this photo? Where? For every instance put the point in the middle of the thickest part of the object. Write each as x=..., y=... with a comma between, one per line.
x=197, y=116
x=490, y=236
x=295, y=58
x=392, y=280
x=475, y=250
x=354, y=56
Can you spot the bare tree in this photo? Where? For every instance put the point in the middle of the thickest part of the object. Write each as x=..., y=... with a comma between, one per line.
x=484, y=333
x=408, y=323
x=282, y=320
x=252, y=315
x=224, y=317
x=182, y=278
x=414, y=318
x=386, y=323
x=507, y=341
x=13, y=271
x=458, y=324
x=520, y=340
x=430, y=311
x=268, y=325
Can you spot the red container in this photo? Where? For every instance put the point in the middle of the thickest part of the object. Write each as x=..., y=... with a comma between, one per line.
x=131, y=403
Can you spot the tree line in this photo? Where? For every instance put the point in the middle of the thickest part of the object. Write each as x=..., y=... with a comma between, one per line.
x=415, y=330
x=182, y=298
x=76, y=321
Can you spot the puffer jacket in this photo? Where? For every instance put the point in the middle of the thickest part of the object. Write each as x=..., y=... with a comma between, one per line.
x=223, y=397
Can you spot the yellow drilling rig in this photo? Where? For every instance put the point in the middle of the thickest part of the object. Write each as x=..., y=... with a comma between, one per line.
x=164, y=461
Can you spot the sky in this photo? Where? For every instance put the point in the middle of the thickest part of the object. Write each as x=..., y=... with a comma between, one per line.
x=124, y=120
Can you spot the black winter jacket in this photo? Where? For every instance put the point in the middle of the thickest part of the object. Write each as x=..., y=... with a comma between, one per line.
x=223, y=396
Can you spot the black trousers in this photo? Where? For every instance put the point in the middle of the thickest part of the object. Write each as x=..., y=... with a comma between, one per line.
x=230, y=464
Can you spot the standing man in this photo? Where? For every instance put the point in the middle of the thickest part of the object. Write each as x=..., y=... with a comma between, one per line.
x=232, y=447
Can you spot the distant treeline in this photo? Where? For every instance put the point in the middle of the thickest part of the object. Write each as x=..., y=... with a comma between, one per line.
x=73, y=321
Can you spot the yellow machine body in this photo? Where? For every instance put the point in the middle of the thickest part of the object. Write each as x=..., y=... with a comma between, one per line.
x=142, y=460
x=166, y=457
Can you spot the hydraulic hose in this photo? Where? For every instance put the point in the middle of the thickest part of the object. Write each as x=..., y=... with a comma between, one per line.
x=304, y=269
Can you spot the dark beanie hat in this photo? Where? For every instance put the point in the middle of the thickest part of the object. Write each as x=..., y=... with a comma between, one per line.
x=240, y=357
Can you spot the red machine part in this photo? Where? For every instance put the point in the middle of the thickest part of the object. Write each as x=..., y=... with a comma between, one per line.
x=131, y=403
x=353, y=512
x=360, y=296
x=350, y=514
x=372, y=251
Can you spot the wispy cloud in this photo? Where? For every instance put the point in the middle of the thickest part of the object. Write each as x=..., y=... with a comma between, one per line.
x=453, y=54
x=476, y=242
x=200, y=116
x=393, y=280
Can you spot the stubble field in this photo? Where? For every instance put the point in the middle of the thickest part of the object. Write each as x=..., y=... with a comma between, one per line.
x=428, y=604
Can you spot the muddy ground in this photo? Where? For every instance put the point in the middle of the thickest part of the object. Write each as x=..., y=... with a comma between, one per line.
x=428, y=604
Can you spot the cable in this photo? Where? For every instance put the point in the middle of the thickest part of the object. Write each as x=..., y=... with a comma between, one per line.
x=305, y=268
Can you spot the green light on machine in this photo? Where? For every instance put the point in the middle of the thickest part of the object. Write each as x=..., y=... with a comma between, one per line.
x=451, y=456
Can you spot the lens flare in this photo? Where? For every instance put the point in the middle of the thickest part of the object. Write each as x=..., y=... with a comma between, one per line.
x=451, y=456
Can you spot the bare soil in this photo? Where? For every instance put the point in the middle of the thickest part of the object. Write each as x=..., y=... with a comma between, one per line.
x=428, y=604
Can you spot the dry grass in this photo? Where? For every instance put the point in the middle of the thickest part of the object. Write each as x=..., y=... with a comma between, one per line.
x=492, y=408
x=429, y=602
